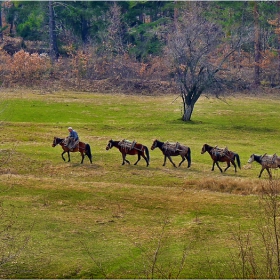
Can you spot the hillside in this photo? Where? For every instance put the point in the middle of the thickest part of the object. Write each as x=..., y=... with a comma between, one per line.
x=106, y=220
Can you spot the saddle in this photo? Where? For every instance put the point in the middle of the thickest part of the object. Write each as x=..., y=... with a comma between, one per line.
x=127, y=145
x=220, y=152
x=71, y=143
x=174, y=147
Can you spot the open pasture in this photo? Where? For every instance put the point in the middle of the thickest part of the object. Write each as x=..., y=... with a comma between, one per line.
x=105, y=220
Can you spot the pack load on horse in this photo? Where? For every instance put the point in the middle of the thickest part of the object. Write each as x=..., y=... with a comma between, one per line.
x=266, y=161
x=83, y=148
x=173, y=149
x=219, y=152
x=130, y=148
x=171, y=146
x=221, y=155
x=127, y=145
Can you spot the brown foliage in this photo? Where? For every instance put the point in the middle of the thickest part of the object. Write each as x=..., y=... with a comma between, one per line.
x=23, y=68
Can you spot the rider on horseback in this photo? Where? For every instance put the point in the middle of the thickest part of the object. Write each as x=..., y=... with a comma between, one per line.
x=73, y=139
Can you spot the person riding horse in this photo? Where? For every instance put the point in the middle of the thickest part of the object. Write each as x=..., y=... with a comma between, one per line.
x=72, y=140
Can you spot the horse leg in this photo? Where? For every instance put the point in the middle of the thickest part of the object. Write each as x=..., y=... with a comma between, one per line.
x=219, y=167
x=228, y=166
x=139, y=157
x=164, y=161
x=83, y=157
x=123, y=156
x=262, y=172
x=63, y=156
x=170, y=159
x=124, y=159
x=270, y=176
x=213, y=165
x=183, y=159
x=144, y=157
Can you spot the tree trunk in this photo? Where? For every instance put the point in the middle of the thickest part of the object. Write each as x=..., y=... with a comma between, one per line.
x=257, y=45
x=188, y=109
x=1, y=26
x=187, y=113
x=84, y=30
x=52, y=34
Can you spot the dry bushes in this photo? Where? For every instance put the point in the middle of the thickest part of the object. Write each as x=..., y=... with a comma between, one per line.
x=23, y=68
x=84, y=70
x=231, y=185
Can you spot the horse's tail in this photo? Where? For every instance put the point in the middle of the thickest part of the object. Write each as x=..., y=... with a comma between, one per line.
x=88, y=152
x=236, y=156
x=189, y=158
x=147, y=153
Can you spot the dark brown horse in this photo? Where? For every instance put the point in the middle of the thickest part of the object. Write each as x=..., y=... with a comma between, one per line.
x=135, y=149
x=176, y=149
x=222, y=156
x=82, y=147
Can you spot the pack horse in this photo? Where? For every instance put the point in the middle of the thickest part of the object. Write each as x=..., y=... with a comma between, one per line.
x=173, y=149
x=221, y=155
x=82, y=147
x=127, y=147
x=266, y=161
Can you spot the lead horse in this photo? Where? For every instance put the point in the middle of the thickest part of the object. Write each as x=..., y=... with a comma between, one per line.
x=82, y=147
x=266, y=161
x=131, y=149
x=225, y=156
x=175, y=149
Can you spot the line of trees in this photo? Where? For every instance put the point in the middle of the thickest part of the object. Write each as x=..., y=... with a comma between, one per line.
x=202, y=46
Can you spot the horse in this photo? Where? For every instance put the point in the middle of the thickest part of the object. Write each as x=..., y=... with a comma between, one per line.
x=176, y=149
x=266, y=161
x=130, y=149
x=82, y=147
x=221, y=155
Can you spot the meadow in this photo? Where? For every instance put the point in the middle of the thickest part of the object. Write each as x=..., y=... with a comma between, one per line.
x=106, y=220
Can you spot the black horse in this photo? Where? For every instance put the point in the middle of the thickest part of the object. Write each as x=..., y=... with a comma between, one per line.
x=222, y=155
x=175, y=149
x=82, y=147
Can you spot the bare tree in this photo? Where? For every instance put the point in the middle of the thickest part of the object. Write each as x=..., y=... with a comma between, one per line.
x=115, y=43
x=197, y=51
x=52, y=34
x=257, y=44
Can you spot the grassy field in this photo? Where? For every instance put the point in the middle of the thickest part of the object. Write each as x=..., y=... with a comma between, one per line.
x=105, y=220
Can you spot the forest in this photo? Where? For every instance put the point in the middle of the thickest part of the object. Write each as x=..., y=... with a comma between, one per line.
x=144, y=47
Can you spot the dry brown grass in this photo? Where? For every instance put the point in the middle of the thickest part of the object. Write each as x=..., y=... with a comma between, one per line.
x=242, y=186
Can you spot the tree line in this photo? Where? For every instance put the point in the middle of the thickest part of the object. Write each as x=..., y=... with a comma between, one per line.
x=201, y=46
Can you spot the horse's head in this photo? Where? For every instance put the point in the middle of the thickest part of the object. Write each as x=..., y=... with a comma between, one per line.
x=251, y=159
x=109, y=145
x=204, y=148
x=154, y=145
x=56, y=141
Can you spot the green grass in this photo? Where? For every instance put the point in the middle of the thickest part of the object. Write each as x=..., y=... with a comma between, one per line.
x=103, y=220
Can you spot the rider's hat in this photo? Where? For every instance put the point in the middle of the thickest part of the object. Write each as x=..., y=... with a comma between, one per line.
x=70, y=127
